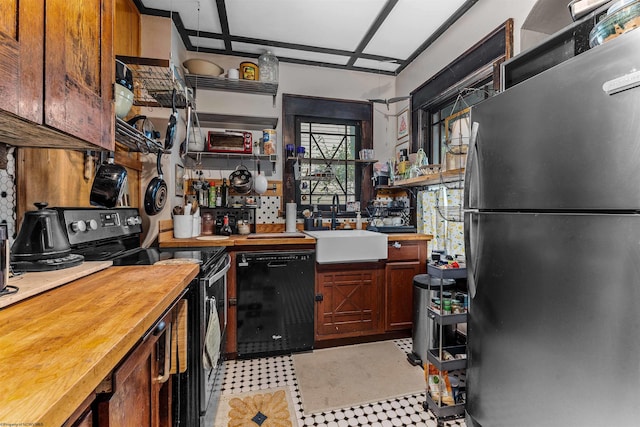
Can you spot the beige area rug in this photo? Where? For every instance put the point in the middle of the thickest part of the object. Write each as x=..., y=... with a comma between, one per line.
x=352, y=375
x=271, y=407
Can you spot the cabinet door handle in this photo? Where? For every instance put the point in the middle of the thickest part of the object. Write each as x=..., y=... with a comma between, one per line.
x=319, y=297
x=166, y=373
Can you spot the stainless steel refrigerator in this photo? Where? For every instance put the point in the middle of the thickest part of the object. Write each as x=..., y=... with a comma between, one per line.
x=552, y=237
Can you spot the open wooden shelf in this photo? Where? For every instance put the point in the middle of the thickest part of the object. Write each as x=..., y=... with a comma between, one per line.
x=431, y=179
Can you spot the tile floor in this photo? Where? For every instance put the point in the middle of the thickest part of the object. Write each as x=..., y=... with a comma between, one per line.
x=278, y=371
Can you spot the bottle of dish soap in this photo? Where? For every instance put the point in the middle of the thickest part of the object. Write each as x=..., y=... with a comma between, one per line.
x=358, y=221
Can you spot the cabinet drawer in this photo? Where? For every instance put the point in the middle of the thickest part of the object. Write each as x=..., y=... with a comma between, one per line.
x=403, y=251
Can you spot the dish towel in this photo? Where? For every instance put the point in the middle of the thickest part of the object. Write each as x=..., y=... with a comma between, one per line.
x=211, y=352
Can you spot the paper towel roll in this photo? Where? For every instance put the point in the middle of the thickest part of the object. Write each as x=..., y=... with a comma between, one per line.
x=290, y=220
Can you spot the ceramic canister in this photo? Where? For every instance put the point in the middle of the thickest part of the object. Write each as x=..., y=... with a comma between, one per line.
x=249, y=71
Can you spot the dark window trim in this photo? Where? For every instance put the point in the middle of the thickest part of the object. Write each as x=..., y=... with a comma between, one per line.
x=489, y=53
x=324, y=108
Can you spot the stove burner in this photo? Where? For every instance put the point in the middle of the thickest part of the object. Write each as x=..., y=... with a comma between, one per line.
x=8, y=290
x=70, y=260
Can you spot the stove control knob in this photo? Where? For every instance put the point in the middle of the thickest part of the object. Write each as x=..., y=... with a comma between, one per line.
x=92, y=224
x=78, y=226
x=134, y=220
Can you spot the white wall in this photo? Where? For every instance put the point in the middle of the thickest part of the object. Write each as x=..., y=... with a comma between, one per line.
x=161, y=40
x=477, y=23
x=302, y=80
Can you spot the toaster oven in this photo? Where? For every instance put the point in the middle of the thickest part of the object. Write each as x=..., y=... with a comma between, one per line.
x=230, y=142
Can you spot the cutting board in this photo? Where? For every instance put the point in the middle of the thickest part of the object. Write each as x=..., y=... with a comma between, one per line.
x=276, y=235
x=30, y=284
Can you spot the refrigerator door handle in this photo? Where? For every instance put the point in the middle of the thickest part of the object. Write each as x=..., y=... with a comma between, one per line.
x=471, y=248
x=472, y=175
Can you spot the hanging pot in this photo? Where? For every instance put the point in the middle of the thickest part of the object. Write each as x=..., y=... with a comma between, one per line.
x=241, y=180
x=260, y=184
x=144, y=126
x=41, y=236
x=170, y=135
x=156, y=195
x=108, y=185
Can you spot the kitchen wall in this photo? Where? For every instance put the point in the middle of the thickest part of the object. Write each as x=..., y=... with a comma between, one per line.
x=305, y=80
x=478, y=22
x=161, y=40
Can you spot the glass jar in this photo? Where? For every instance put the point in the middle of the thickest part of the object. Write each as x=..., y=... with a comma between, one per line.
x=268, y=64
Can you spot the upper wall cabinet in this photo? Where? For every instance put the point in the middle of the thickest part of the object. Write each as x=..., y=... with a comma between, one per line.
x=56, y=78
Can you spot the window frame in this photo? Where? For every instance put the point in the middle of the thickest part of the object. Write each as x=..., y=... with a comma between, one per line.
x=317, y=108
x=479, y=64
x=319, y=161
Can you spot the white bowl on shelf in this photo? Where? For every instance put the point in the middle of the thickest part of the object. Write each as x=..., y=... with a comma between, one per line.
x=123, y=101
x=202, y=67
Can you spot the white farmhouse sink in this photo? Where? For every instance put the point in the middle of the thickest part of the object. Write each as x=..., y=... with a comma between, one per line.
x=333, y=246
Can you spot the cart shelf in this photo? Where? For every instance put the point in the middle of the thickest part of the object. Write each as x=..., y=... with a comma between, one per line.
x=446, y=273
x=447, y=319
x=448, y=365
x=444, y=411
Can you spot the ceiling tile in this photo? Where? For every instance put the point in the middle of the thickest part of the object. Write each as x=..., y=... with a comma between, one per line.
x=376, y=65
x=204, y=19
x=335, y=24
x=409, y=24
x=290, y=53
x=206, y=42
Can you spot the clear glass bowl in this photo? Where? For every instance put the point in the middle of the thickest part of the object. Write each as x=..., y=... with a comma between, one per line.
x=613, y=25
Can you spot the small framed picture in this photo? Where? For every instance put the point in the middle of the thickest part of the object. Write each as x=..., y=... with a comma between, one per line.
x=402, y=128
x=179, y=180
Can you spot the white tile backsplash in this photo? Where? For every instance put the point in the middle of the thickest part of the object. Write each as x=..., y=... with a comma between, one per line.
x=8, y=194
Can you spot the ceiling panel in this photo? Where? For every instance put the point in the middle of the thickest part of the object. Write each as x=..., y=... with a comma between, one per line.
x=205, y=42
x=281, y=52
x=196, y=15
x=379, y=36
x=334, y=24
x=409, y=24
x=376, y=65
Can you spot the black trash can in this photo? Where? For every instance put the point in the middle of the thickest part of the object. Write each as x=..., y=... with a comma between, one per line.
x=425, y=332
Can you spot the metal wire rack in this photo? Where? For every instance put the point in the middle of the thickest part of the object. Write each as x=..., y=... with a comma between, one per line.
x=453, y=213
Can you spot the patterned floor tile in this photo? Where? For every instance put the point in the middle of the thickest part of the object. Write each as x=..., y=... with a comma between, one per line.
x=278, y=371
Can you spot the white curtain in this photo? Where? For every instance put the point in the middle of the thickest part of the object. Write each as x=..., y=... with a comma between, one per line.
x=440, y=214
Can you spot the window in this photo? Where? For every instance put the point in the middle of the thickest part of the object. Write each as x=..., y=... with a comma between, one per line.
x=332, y=131
x=470, y=78
x=329, y=166
x=435, y=134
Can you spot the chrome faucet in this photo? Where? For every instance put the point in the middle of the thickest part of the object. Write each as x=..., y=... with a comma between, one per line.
x=335, y=204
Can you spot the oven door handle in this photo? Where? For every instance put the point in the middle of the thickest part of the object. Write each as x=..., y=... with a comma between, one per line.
x=210, y=280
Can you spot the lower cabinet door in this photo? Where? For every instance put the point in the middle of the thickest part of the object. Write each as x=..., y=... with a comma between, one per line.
x=348, y=301
x=141, y=385
x=399, y=294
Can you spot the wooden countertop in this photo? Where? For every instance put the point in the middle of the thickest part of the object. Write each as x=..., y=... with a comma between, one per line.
x=58, y=346
x=166, y=239
x=237, y=240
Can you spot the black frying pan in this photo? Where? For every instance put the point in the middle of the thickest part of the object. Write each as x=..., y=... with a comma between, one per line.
x=156, y=194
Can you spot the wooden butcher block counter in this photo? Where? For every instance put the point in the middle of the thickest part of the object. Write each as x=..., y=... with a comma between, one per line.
x=58, y=346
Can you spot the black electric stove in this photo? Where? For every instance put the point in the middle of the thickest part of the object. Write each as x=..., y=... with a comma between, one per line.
x=101, y=234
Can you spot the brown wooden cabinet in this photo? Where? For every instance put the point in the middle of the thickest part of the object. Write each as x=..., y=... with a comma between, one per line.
x=348, y=300
x=369, y=299
x=405, y=260
x=59, y=95
x=140, y=387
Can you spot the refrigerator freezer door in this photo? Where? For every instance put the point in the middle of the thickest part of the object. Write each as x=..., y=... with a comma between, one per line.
x=553, y=327
x=559, y=140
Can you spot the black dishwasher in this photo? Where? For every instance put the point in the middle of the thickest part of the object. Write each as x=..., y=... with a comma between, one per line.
x=275, y=293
